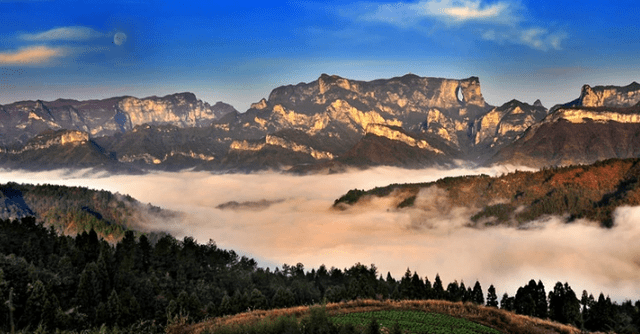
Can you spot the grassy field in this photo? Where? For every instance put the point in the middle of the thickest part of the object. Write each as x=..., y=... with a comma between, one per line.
x=415, y=322
x=500, y=320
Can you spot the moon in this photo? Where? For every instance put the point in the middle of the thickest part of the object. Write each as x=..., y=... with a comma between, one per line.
x=119, y=38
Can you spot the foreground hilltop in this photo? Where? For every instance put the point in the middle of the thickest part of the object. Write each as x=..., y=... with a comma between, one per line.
x=326, y=125
x=494, y=319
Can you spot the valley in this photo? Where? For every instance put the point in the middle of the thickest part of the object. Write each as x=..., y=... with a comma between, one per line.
x=404, y=172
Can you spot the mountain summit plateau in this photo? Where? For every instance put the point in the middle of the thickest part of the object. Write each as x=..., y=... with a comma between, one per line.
x=325, y=125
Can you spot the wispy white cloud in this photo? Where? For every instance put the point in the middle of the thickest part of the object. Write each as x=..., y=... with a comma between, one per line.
x=459, y=11
x=76, y=33
x=299, y=225
x=448, y=11
x=55, y=44
x=536, y=38
x=34, y=55
x=498, y=21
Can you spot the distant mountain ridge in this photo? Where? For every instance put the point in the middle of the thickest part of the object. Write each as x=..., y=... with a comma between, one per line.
x=21, y=121
x=326, y=125
x=604, y=122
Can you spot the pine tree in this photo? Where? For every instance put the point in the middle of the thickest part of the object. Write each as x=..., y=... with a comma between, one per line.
x=145, y=253
x=89, y=292
x=225, y=305
x=283, y=298
x=102, y=314
x=478, y=296
x=507, y=303
x=428, y=289
x=183, y=303
x=406, y=288
x=417, y=286
x=114, y=309
x=541, y=301
x=453, y=292
x=211, y=309
x=492, y=298
x=39, y=306
x=465, y=295
x=564, y=306
x=257, y=300
x=438, y=289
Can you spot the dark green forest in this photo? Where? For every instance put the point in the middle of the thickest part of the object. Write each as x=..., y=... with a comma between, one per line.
x=49, y=281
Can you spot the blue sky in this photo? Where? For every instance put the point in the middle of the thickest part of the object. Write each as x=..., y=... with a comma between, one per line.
x=238, y=51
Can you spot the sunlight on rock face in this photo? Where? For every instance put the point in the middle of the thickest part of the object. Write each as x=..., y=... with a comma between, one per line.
x=300, y=225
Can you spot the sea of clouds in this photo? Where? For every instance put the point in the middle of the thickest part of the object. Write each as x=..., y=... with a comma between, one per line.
x=278, y=218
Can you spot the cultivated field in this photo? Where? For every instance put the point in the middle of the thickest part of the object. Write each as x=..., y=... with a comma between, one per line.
x=415, y=322
x=493, y=318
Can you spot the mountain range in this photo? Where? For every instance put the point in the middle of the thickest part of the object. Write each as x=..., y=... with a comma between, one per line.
x=326, y=125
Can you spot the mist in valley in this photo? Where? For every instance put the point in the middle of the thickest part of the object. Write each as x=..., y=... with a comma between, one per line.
x=278, y=218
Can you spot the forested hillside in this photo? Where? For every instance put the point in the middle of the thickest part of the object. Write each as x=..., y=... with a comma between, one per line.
x=50, y=281
x=583, y=191
x=73, y=210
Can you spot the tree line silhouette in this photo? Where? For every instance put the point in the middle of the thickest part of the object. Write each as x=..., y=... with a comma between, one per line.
x=50, y=281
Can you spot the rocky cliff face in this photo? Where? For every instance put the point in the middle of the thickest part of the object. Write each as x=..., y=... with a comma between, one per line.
x=429, y=121
x=333, y=109
x=182, y=110
x=397, y=97
x=392, y=133
x=504, y=124
x=21, y=121
x=610, y=96
x=60, y=149
x=602, y=123
x=333, y=122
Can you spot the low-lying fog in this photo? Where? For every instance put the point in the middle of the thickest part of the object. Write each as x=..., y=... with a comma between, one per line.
x=278, y=219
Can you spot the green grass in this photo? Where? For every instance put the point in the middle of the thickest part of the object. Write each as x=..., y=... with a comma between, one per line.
x=415, y=322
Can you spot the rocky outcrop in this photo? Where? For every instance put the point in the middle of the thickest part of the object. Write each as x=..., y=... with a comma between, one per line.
x=167, y=146
x=284, y=141
x=610, y=96
x=54, y=138
x=446, y=127
x=396, y=134
x=430, y=118
x=182, y=110
x=22, y=121
x=391, y=146
x=582, y=115
x=504, y=124
x=397, y=96
x=336, y=107
x=603, y=123
x=332, y=121
x=61, y=149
